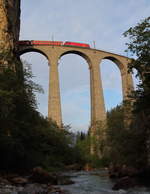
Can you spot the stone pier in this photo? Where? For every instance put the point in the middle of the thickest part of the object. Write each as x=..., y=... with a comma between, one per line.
x=93, y=58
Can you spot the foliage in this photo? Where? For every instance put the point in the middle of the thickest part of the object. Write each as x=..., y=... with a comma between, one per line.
x=27, y=138
x=83, y=147
x=139, y=46
x=124, y=146
x=114, y=132
x=130, y=146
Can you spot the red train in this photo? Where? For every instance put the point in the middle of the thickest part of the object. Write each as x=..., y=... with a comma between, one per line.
x=37, y=42
x=53, y=43
x=77, y=44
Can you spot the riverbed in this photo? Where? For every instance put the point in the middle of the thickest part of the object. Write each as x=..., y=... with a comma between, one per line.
x=97, y=182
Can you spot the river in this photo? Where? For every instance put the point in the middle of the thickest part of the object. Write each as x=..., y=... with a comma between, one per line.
x=96, y=182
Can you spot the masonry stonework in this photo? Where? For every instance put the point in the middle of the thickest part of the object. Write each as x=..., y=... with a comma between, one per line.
x=93, y=58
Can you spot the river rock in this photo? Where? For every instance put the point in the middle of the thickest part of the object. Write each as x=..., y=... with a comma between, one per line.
x=144, y=176
x=19, y=180
x=57, y=190
x=63, y=180
x=116, y=171
x=75, y=167
x=40, y=175
x=113, y=171
x=35, y=188
x=124, y=183
x=127, y=171
x=4, y=181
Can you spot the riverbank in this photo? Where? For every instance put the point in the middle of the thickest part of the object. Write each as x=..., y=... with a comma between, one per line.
x=69, y=182
x=129, y=177
x=31, y=189
x=38, y=182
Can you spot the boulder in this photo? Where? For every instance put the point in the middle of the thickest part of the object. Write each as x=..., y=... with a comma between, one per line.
x=34, y=188
x=4, y=181
x=116, y=171
x=127, y=171
x=54, y=189
x=144, y=176
x=19, y=180
x=124, y=183
x=75, y=167
x=39, y=175
x=63, y=180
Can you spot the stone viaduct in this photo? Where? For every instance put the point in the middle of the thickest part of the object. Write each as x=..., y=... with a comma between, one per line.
x=93, y=58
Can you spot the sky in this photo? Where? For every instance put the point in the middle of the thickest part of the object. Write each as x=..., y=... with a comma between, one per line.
x=102, y=21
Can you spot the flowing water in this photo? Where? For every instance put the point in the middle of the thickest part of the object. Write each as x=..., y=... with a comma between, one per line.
x=97, y=182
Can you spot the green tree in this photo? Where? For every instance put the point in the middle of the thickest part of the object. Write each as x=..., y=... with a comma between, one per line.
x=139, y=46
x=27, y=138
x=115, y=135
x=83, y=147
x=124, y=146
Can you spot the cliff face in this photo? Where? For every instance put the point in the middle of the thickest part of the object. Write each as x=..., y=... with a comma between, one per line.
x=9, y=23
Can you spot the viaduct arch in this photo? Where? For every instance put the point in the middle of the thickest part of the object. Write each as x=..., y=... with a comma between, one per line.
x=93, y=58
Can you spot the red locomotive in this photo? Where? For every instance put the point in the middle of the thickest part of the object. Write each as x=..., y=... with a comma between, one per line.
x=76, y=44
x=53, y=43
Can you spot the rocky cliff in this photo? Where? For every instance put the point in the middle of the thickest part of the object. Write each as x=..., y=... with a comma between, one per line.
x=9, y=23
